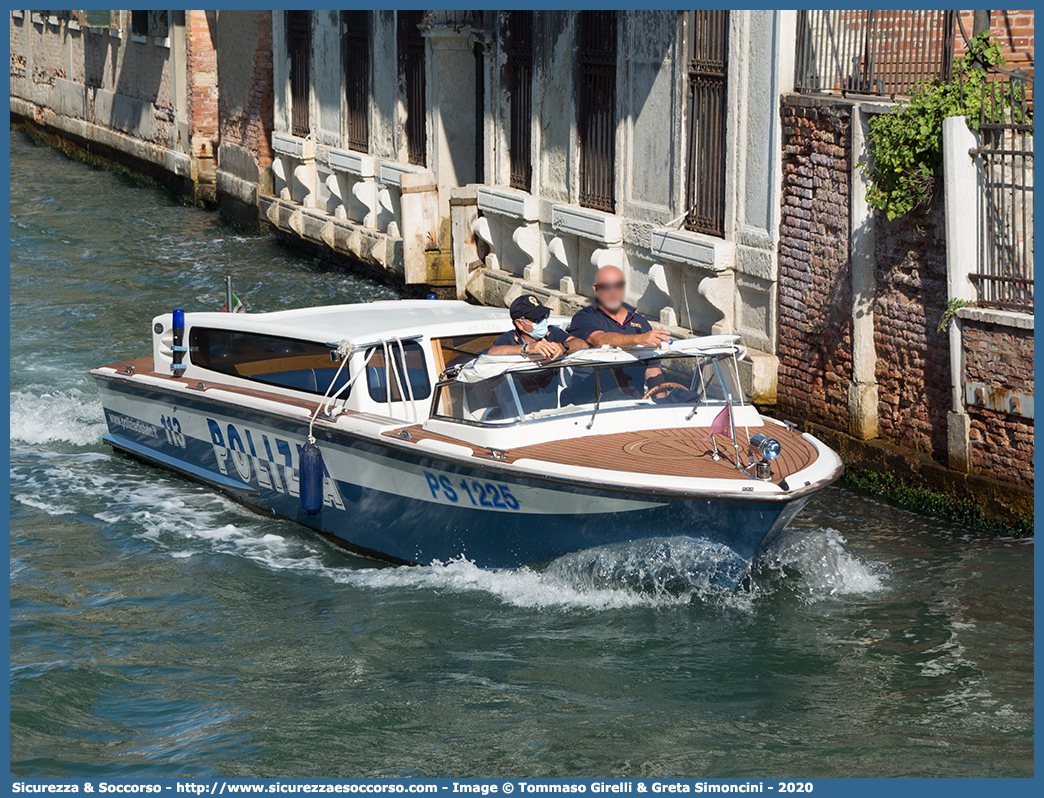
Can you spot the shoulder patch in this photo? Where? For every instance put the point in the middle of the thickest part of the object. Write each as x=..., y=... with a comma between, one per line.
x=636, y=324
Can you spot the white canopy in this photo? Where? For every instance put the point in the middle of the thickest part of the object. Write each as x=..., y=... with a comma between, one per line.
x=486, y=366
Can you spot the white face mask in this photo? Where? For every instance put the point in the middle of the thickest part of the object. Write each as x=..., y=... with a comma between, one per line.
x=539, y=329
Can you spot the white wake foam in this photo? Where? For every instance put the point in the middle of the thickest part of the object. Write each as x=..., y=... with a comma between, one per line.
x=821, y=563
x=65, y=416
x=522, y=587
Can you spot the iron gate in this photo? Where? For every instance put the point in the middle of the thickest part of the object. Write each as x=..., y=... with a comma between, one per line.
x=412, y=82
x=519, y=80
x=299, y=47
x=708, y=78
x=355, y=44
x=596, y=118
x=1005, y=159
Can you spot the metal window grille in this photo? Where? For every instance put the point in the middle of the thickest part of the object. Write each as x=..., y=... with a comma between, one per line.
x=299, y=47
x=873, y=52
x=355, y=44
x=412, y=79
x=520, y=89
x=708, y=79
x=596, y=117
x=1005, y=160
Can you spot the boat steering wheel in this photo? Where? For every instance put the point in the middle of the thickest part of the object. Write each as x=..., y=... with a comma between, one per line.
x=663, y=386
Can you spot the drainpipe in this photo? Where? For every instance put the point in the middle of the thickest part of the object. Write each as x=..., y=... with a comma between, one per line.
x=981, y=22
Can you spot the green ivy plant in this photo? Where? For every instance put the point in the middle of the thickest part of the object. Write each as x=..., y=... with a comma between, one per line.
x=950, y=313
x=906, y=143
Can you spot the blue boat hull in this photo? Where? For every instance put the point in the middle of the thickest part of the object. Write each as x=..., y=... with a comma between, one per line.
x=387, y=501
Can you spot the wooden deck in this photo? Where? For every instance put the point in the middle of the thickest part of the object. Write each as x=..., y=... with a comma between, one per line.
x=665, y=452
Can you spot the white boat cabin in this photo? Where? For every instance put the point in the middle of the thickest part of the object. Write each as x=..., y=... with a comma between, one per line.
x=296, y=352
x=423, y=362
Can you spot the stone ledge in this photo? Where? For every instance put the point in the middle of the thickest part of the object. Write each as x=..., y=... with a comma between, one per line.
x=392, y=172
x=242, y=190
x=353, y=163
x=1005, y=318
x=177, y=163
x=96, y=144
x=712, y=254
x=869, y=103
x=605, y=228
x=293, y=146
x=508, y=202
x=379, y=253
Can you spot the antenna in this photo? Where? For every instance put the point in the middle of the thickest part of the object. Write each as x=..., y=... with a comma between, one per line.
x=688, y=314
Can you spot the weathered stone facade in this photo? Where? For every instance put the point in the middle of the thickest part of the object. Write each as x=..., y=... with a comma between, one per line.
x=500, y=233
x=189, y=104
x=117, y=93
x=815, y=345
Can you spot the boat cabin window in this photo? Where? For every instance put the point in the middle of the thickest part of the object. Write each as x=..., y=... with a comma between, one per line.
x=380, y=374
x=459, y=349
x=268, y=359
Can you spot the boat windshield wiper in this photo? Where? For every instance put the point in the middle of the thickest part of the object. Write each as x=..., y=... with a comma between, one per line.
x=598, y=398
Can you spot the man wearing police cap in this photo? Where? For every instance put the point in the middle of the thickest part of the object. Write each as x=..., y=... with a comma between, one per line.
x=532, y=334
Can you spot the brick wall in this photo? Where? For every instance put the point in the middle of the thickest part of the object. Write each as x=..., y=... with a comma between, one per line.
x=200, y=41
x=1002, y=358
x=245, y=106
x=815, y=279
x=913, y=366
x=1013, y=30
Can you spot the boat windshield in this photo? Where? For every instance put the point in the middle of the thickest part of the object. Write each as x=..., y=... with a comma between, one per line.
x=557, y=390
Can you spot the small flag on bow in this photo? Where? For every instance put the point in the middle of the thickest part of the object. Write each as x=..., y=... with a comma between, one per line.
x=720, y=424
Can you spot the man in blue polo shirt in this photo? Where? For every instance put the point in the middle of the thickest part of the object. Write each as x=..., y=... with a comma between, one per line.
x=609, y=321
x=532, y=334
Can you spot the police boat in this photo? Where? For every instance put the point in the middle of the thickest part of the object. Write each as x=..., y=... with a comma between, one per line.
x=386, y=428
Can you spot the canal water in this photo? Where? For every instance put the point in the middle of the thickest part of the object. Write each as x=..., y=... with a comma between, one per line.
x=159, y=629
